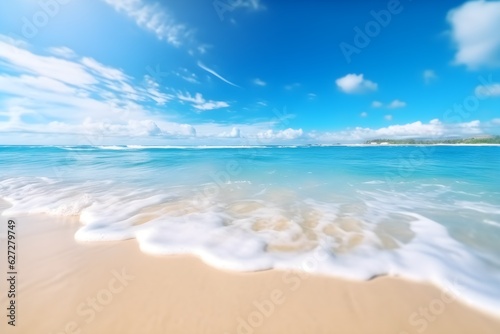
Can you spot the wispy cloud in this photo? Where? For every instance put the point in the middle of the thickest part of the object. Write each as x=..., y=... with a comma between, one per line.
x=211, y=105
x=490, y=90
x=153, y=89
x=154, y=18
x=224, y=6
x=21, y=59
x=200, y=64
x=71, y=99
x=77, y=96
x=355, y=84
x=186, y=75
x=395, y=104
x=63, y=52
x=102, y=70
x=198, y=102
x=259, y=82
x=429, y=76
x=13, y=41
x=292, y=86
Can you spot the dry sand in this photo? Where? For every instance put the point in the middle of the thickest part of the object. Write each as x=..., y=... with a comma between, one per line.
x=66, y=287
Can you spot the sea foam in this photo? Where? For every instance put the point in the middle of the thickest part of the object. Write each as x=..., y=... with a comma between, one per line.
x=275, y=214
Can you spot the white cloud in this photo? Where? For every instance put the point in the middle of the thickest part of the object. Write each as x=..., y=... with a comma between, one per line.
x=434, y=129
x=429, y=76
x=198, y=102
x=15, y=85
x=488, y=90
x=202, y=49
x=292, y=86
x=78, y=97
x=474, y=30
x=154, y=18
x=234, y=133
x=211, y=105
x=223, y=6
x=364, y=114
x=54, y=99
x=186, y=75
x=259, y=82
x=102, y=70
x=312, y=96
x=355, y=84
x=396, y=104
x=215, y=130
x=132, y=128
x=13, y=41
x=62, y=70
x=63, y=52
x=196, y=99
x=388, y=117
x=200, y=64
x=153, y=91
x=287, y=134
x=50, y=95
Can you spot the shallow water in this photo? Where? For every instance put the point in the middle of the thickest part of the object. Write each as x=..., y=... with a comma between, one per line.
x=427, y=213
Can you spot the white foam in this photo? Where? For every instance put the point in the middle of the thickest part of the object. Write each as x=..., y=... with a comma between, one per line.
x=112, y=147
x=77, y=148
x=374, y=182
x=168, y=221
x=491, y=222
x=479, y=207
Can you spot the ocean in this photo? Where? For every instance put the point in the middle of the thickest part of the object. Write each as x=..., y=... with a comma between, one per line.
x=423, y=213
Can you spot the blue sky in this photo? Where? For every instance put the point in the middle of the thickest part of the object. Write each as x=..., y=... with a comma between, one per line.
x=246, y=71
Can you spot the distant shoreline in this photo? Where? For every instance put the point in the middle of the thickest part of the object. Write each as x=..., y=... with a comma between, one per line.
x=480, y=140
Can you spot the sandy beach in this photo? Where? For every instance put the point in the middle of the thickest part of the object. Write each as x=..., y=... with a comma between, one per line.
x=249, y=167
x=67, y=287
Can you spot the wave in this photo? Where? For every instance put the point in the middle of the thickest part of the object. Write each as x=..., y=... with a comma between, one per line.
x=279, y=229
x=149, y=147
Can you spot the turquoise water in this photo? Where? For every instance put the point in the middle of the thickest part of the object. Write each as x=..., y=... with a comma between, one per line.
x=427, y=213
